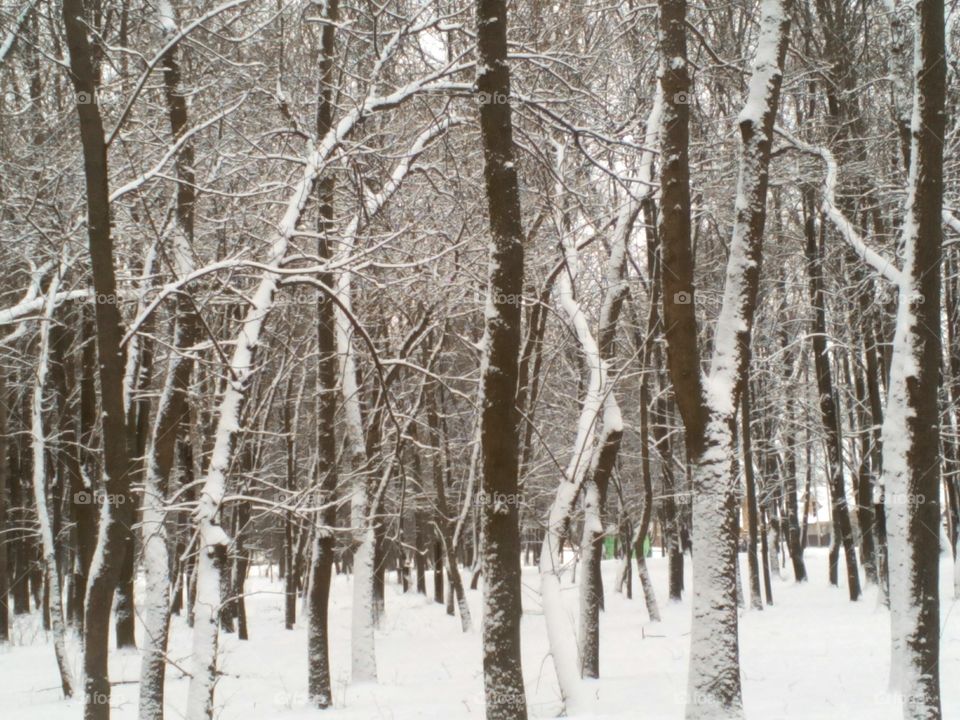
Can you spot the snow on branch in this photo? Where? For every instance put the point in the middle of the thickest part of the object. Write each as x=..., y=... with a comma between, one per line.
x=12, y=35
x=171, y=151
x=28, y=307
x=884, y=267
x=951, y=221
x=172, y=42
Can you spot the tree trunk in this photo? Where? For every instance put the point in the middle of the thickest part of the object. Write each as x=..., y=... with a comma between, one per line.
x=318, y=630
x=911, y=448
x=756, y=601
x=708, y=409
x=830, y=416
x=4, y=542
x=503, y=677
x=54, y=598
x=117, y=514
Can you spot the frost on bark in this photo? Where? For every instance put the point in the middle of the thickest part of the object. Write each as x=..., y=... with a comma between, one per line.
x=364, y=488
x=503, y=676
x=363, y=661
x=708, y=404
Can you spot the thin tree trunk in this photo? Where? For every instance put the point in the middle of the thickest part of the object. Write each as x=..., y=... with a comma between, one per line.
x=54, y=597
x=4, y=542
x=172, y=411
x=756, y=601
x=326, y=480
x=830, y=416
x=445, y=525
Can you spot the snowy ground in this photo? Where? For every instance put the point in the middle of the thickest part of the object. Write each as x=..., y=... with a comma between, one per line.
x=812, y=656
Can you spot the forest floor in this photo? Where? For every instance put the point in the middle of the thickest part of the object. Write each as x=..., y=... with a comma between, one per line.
x=813, y=655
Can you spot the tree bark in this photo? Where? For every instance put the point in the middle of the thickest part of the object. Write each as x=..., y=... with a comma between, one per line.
x=828, y=405
x=911, y=447
x=756, y=601
x=503, y=676
x=116, y=517
x=708, y=405
x=326, y=480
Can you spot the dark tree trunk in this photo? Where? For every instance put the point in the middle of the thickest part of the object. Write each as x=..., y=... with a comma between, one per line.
x=437, y=571
x=765, y=557
x=318, y=632
x=116, y=519
x=420, y=559
x=915, y=384
x=85, y=514
x=503, y=677
x=830, y=416
x=124, y=606
x=4, y=542
x=756, y=601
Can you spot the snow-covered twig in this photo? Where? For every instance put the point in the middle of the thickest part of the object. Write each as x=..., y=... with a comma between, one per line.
x=886, y=268
x=12, y=35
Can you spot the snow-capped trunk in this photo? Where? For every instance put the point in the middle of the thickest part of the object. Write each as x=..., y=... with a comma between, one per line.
x=911, y=456
x=39, y=442
x=363, y=661
x=708, y=405
x=172, y=408
x=499, y=373
x=137, y=372
x=599, y=404
x=611, y=430
x=213, y=539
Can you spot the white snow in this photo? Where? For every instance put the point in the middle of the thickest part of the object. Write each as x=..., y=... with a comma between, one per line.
x=813, y=655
